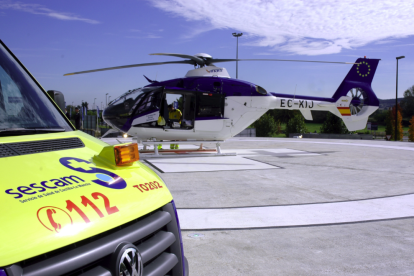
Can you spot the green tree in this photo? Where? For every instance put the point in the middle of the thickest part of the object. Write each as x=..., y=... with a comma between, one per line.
x=333, y=124
x=281, y=115
x=407, y=104
x=319, y=116
x=411, y=130
x=278, y=127
x=265, y=126
x=399, y=123
x=379, y=116
x=389, y=123
x=296, y=124
x=181, y=103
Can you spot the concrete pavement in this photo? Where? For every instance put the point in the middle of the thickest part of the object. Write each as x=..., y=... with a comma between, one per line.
x=351, y=172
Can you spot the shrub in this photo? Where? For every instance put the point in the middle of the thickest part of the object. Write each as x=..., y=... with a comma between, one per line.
x=296, y=124
x=265, y=126
x=333, y=124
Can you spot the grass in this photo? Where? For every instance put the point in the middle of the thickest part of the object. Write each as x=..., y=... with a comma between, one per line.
x=312, y=127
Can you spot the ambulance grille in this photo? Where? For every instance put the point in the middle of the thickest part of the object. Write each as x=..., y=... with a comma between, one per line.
x=6, y=152
x=156, y=235
x=23, y=148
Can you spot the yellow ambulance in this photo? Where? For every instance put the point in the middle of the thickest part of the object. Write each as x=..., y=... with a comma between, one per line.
x=71, y=204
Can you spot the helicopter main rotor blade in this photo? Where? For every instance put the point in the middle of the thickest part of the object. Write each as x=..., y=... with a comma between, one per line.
x=213, y=60
x=199, y=61
x=133, y=65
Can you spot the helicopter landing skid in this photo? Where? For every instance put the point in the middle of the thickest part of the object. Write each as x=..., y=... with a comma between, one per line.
x=186, y=152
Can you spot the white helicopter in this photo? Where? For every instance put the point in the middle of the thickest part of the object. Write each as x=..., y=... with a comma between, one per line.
x=216, y=107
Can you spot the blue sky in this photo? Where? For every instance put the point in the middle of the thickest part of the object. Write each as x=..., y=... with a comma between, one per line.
x=56, y=37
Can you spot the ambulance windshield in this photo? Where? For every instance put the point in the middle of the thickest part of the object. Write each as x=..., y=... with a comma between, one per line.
x=23, y=105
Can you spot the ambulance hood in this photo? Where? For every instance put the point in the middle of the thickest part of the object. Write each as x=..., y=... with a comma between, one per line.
x=53, y=199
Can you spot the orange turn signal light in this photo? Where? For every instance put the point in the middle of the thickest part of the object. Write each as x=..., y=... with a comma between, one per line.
x=126, y=154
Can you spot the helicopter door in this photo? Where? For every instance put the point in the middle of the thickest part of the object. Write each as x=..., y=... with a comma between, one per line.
x=184, y=102
x=188, y=111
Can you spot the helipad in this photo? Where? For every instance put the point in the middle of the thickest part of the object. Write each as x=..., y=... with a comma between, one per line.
x=323, y=207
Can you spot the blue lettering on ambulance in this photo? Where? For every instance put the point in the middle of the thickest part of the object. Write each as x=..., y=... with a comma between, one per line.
x=35, y=188
x=104, y=178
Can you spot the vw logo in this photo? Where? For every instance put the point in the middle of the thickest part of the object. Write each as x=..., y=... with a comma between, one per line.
x=128, y=261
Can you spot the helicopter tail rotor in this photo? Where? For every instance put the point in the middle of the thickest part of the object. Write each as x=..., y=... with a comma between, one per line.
x=355, y=99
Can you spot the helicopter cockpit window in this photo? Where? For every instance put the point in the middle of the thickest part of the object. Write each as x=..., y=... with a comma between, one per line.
x=129, y=101
x=150, y=100
x=125, y=103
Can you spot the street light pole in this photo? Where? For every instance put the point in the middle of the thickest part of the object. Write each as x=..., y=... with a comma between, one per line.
x=94, y=106
x=396, y=100
x=106, y=97
x=237, y=52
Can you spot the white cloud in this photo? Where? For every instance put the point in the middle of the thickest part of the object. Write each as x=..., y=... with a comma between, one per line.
x=308, y=27
x=41, y=10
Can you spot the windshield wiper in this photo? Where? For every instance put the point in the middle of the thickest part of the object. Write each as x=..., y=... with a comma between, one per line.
x=22, y=131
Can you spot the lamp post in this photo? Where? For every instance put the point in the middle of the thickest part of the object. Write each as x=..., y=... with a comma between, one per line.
x=94, y=106
x=237, y=52
x=106, y=97
x=396, y=100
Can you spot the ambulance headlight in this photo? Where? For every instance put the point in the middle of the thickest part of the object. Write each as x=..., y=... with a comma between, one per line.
x=126, y=154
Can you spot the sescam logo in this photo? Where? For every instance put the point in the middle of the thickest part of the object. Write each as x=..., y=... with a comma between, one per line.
x=215, y=70
x=104, y=178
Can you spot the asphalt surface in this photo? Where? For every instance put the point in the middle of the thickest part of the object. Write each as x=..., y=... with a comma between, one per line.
x=356, y=240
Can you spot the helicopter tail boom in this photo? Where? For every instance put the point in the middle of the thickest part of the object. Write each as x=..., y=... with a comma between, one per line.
x=353, y=101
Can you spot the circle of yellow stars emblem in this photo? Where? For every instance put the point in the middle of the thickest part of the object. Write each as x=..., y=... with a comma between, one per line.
x=363, y=69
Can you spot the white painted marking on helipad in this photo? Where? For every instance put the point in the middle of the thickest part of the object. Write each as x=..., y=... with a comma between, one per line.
x=200, y=164
x=278, y=140
x=274, y=152
x=298, y=215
